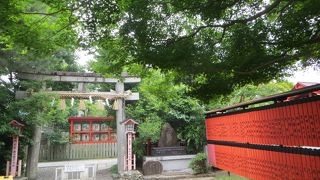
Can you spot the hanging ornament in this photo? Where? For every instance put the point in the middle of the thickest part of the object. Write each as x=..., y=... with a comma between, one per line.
x=62, y=104
x=72, y=102
x=82, y=105
x=107, y=102
x=115, y=105
x=100, y=105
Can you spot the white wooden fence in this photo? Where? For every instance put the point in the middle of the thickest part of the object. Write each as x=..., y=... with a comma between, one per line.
x=77, y=151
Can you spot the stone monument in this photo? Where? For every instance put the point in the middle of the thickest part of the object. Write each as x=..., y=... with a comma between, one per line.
x=168, y=143
x=168, y=136
x=168, y=156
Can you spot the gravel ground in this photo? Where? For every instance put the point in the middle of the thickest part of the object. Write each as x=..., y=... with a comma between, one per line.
x=49, y=174
x=103, y=175
x=46, y=173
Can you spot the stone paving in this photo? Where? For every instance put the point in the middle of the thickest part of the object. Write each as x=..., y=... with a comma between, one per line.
x=47, y=171
x=180, y=175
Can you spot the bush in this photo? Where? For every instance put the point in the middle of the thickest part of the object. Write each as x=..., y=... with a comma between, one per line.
x=138, y=147
x=114, y=169
x=199, y=164
x=149, y=129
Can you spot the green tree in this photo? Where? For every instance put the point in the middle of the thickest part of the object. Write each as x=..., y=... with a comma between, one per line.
x=33, y=32
x=250, y=92
x=6, y=96
x=161, y=100
x=224, y=43
x=37, y=110
x=35, y=35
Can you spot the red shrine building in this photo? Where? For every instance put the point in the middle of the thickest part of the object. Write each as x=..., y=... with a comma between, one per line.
x=90, y=130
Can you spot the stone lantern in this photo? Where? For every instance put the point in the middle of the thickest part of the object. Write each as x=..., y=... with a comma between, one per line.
x=130, y=158
x=15, y=167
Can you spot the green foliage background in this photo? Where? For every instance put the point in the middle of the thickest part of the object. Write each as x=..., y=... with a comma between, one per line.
x=250, y=92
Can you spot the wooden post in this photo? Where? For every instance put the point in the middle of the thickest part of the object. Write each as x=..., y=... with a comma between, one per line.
x=121, y=136
x=19, y=168
x=125, y=163
x=8, y=168
x=134, y=162
x=148, y=147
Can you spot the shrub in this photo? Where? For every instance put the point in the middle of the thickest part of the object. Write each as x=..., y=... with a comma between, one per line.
x=199, y=163
x=149, y=129
x=114, y=169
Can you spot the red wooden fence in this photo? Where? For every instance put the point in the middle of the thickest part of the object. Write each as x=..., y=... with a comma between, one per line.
x=292, y=125
x=278, y=141
x=264, y=164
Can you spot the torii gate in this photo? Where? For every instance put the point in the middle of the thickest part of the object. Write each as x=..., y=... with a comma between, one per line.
x=82, y=79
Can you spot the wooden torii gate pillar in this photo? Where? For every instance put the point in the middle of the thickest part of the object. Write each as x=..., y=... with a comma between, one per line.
x=83, y=78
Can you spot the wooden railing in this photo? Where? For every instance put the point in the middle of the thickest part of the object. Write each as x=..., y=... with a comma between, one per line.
x=77, y=151
x=275, y=98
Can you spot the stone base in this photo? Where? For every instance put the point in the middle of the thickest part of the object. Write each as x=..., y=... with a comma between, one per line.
x=20, y=178
x=128, y=175
x=172, y=163
x=168, y=151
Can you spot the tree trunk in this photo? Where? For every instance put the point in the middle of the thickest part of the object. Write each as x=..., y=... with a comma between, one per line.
x=33, y=153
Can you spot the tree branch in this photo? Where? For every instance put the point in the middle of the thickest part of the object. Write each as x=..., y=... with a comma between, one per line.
x=285, y=7
x=44, y=14
x=230, y=23
x=284, y=56
x=265, y=11
x=64, y=27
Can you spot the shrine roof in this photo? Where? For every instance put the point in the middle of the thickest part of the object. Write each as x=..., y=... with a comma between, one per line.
x=129, y=120
x=16, y=123
x=90, y=118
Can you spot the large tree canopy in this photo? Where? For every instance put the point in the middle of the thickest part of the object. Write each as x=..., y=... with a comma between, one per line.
x=215, y=45
x=35, y=34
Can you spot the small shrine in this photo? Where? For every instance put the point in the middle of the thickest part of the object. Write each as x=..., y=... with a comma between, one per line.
x=130, y=158
x=90, y=130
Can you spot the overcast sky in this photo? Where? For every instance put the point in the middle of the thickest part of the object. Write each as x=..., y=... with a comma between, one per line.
x=306, y=75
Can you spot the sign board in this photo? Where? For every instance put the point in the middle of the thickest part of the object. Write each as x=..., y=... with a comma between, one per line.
x=74, y=168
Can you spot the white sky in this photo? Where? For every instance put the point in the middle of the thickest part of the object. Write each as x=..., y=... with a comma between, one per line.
x=306, y=75
x=83, y=57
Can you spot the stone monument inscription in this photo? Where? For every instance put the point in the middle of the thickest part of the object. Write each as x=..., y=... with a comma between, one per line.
x=168, y=143
x=152, y=167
